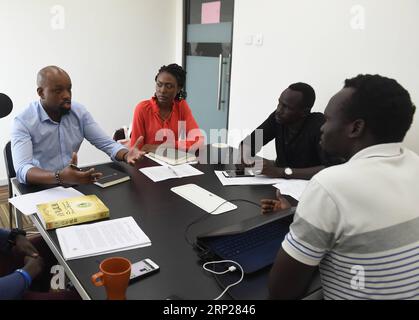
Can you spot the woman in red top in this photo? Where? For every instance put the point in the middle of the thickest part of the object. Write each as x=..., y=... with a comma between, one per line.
x=167, y=118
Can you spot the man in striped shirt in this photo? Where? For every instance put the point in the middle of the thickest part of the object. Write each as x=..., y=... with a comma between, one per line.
x=357, y=222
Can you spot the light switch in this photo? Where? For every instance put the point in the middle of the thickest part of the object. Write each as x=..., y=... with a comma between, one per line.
x=259, y=40
x=248, y=40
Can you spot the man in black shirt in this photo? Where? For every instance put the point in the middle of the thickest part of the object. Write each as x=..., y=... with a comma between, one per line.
x=296, y=131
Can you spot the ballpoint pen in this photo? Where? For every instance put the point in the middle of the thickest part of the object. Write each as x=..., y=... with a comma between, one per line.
x=173, y=170
x=75, y=167
x=109, y=175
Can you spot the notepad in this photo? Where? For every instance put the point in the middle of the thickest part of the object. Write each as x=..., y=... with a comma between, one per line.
x=173, y=157
x=204, y=199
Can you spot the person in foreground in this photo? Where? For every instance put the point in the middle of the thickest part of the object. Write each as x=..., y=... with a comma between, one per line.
x=166, y=118
x=47, y=135
x=296, y=131
x=21, y=260
x=358, y=222
x=24, y=269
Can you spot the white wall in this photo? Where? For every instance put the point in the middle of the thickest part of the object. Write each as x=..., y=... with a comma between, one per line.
x=313, y=42
x=111, y=49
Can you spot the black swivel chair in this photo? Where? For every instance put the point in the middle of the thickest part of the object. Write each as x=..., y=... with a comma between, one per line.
x=120, y=134
x=10, y=174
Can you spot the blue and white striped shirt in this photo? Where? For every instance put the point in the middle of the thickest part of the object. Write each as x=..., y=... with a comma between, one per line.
x=359, y=223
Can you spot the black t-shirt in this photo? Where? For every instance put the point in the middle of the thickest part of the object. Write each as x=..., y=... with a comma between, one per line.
x=296, y=150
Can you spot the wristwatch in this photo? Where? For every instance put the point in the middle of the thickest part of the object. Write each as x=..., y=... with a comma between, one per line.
x=13, y=234
x=288, y=172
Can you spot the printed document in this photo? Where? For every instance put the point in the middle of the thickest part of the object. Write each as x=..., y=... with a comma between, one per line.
x=27, y=202
x=101, y=238
x=292, y=187
x=160, y=173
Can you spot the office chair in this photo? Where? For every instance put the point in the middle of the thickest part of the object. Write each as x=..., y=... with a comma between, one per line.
x=122, y=136
x=10, y=174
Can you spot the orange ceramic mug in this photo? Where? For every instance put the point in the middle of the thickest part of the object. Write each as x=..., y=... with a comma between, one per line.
x=114, y=276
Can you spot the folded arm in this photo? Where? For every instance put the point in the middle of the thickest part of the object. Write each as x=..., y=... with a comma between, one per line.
x=271, y=170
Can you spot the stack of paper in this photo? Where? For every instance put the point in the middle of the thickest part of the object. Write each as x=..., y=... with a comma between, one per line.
x=164, y=163
x=101, y=238
x=172, y=156
x=160, y=173
x=292, y=187
x=27, y=203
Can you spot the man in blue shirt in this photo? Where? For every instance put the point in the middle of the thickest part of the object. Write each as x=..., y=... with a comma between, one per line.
x=21, y=261
x=47, y=135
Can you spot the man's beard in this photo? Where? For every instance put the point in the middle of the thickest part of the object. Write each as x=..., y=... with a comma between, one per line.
x=64, y=111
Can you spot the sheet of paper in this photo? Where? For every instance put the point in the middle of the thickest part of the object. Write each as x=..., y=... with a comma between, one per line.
x=98, y=238
x=27, y=203
x=292, y=187
x=160, y=173
x=243, y=181
x=211, y=12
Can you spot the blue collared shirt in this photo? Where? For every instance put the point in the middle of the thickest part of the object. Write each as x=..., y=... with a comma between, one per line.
x=38, y=141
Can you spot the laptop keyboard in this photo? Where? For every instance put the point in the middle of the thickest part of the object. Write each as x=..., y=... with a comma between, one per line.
x=233, y=245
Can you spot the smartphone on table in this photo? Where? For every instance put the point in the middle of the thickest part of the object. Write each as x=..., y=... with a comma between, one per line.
x=142, y=269
x=247, y=172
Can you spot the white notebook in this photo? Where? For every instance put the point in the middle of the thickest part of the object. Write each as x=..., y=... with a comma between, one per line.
x=204, y=199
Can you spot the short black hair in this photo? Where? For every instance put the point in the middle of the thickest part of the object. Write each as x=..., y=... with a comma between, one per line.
x=180, y=74
x=309, y=96
x=383, y=104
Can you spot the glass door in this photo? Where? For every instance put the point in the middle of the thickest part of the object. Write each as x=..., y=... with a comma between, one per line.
x=208, y=49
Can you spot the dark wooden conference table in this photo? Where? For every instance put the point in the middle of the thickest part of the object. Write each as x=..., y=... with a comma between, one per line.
x=164, y=216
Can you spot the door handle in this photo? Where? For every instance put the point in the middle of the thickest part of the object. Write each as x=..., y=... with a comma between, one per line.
x=220, y=82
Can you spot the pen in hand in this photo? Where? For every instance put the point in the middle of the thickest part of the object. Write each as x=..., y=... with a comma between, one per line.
x=75, y=167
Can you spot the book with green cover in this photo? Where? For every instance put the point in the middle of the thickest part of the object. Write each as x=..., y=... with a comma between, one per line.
x=71, y=211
